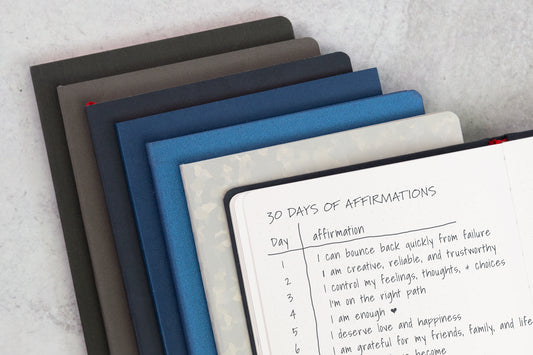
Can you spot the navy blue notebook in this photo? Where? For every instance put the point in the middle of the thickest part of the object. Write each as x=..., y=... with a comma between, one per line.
x=102, y=118
x=134, y=134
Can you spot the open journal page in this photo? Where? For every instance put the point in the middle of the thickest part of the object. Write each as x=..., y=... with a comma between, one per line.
x=419, y=257
x=519, y=161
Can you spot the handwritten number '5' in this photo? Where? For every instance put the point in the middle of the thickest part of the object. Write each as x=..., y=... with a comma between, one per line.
x=295, y=331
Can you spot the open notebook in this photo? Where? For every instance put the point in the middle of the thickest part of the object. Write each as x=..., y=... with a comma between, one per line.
x=425, y=254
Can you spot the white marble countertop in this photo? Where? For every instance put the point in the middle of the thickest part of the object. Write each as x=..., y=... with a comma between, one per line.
x=470, y=57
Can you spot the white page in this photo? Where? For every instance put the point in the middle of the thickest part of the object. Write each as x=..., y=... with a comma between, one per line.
x=519, y=161
x=465, y=192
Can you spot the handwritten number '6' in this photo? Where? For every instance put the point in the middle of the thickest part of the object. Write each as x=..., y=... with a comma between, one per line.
x=296, y=349
x=274, y=215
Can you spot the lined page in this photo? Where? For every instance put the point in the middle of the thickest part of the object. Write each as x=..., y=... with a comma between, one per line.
x=420, y=257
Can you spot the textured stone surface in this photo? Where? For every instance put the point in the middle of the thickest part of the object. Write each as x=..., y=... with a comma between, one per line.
x=473, y=58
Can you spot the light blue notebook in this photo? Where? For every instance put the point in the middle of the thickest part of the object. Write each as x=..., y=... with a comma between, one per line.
x=166, y=156
x=135, y=133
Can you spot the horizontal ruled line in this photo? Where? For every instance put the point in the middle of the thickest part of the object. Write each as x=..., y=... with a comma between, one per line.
x=361, y=238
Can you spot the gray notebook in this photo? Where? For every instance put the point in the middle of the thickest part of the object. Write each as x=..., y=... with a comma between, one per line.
x=206, y=183
x=73, y=98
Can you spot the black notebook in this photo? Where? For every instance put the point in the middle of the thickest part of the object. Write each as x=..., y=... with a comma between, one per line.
x=46, y=78
x=428, y=253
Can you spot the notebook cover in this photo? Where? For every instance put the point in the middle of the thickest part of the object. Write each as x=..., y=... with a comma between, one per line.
x=206, y=182
x=221, y=88
x=371, y=164
x=133, y=135
x=72, y=99
x=46, y=78
x=109, y=159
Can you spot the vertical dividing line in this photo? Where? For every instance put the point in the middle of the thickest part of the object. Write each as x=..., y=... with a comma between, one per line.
x=310, y=292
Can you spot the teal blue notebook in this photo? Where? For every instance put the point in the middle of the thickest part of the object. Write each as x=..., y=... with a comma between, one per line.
x=166, y=156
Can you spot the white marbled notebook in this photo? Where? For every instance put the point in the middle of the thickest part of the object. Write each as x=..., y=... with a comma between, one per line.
x=206, y=183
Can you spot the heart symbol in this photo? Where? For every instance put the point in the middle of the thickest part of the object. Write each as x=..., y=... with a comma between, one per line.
x=393, y=310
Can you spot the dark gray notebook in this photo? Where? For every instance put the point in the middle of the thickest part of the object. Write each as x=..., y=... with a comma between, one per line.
x=46, y=78
x=105, y=263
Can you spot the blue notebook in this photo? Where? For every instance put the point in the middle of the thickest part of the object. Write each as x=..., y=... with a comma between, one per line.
x=166, y=156
x=134, y=134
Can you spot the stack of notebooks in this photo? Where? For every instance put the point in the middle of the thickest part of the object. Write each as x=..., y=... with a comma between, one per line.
x=234, y=191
